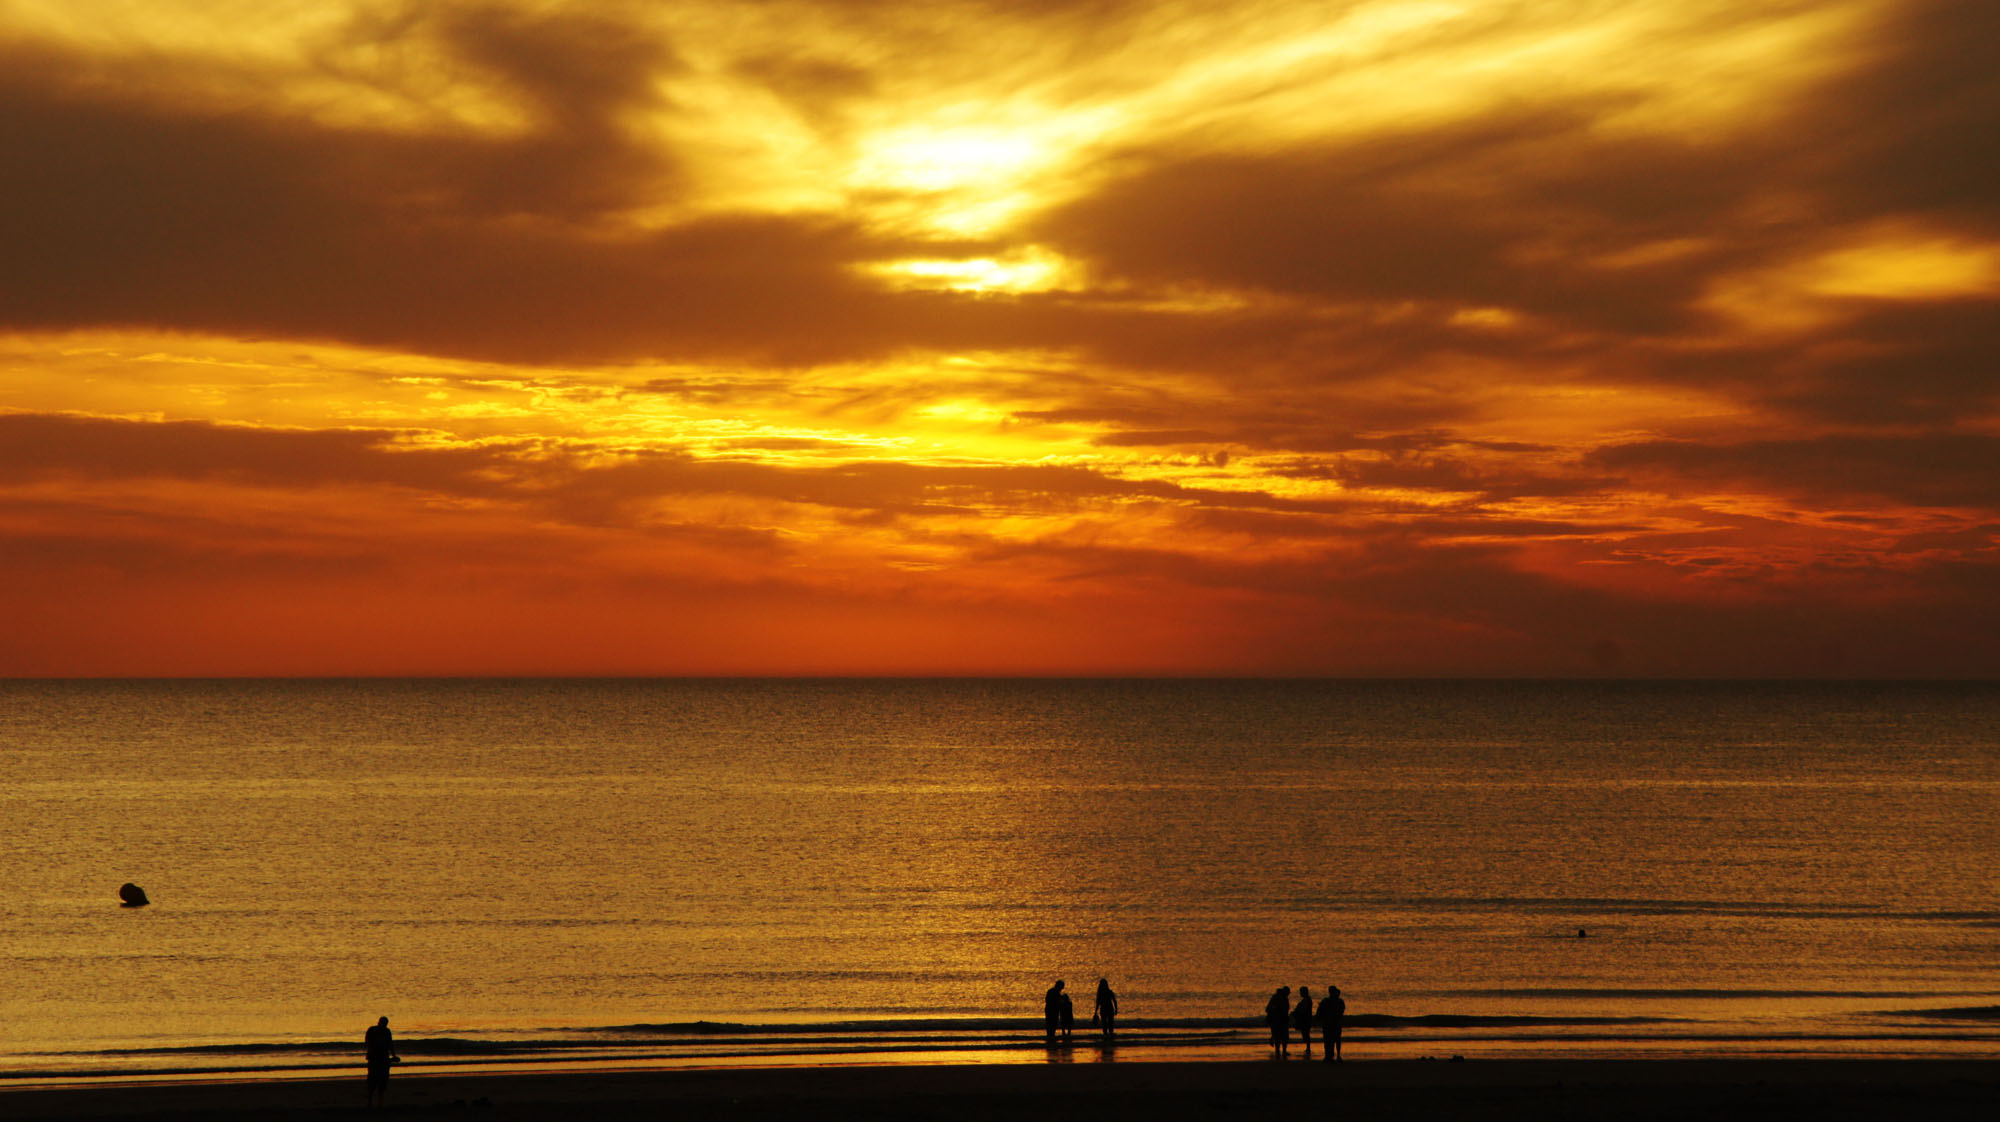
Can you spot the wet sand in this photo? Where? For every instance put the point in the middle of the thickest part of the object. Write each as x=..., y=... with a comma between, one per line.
x=1537, y=1090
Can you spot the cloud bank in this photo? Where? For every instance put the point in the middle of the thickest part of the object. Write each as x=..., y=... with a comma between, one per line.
x=1298, y=338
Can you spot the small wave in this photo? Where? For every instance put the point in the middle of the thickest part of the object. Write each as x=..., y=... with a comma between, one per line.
x=1682, y=994
x=961, y=1026
x=1457, y=1020
x=1663, y=906
x=416, y=1046
x=1950, y=1013
x=735, y=1028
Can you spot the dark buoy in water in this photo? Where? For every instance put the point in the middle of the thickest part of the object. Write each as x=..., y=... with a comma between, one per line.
x=132, y=895
x=1582, y=934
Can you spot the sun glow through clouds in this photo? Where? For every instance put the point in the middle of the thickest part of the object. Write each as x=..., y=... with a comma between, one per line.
x=1379, y=337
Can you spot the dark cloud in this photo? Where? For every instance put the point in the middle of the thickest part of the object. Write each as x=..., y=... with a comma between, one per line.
x=582, y=71
x=1904, y=363
x=1507, y=211
x=241, y=226
x=1942, y=469
x=1422, y=473
x=42, y=446
x=576, y=480
x=1408, y=461
x=159, y=214
x=1147, y=437
x=820, y=90
x=1414, y=524
x=1901, y=132
x=1970, y=540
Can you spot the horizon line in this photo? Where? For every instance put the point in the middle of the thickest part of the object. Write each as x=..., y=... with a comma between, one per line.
x=1108, y=677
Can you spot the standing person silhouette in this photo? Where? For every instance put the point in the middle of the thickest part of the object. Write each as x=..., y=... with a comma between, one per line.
x=1302, y=1018
x=1106, y=1009
x=381, y=1053
x=1276, y=1011
x=1068, y=1018
x=1052, y=1010
x=1331, y=1011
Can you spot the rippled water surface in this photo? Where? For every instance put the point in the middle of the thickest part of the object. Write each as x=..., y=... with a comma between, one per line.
x=484, y=860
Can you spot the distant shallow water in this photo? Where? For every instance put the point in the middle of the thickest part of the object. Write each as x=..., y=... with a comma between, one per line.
x=901, y=867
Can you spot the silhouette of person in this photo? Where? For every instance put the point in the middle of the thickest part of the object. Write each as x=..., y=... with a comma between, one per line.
x=1068, y=1018
x=1106, y=1008
x=1331, y=1011
x=1276, y=1011
x=1302, y=1018
x=381, y=1053
x=1052, y=1010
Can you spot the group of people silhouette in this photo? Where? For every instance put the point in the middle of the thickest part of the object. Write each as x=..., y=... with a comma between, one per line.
x=1059, y=1015
x=1282, y=1016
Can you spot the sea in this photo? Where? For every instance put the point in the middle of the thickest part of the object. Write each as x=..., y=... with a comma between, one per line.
x=553, y=873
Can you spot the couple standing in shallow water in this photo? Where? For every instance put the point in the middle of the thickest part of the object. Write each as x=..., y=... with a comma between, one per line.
x=1281, y=1014
x=1058, y=1015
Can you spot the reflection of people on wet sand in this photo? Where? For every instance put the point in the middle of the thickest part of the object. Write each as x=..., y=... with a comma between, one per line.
x=1276, y=1011
x=1330, y=1013
x=1052, y=1010
x=1302, y=1018
x=1106, y=1009
x=381, y=1053
x=1068, y=1018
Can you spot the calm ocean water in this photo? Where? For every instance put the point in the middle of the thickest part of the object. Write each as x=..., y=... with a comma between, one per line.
x=517, y=868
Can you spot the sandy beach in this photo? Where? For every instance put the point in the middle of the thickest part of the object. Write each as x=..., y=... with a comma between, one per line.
x=1400, y=1089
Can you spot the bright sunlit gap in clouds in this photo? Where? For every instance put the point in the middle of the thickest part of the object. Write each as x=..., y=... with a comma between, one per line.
x=1029, y=270
x=973, y=179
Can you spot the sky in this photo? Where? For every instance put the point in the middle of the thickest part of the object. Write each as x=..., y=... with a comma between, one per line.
x=1361, y=338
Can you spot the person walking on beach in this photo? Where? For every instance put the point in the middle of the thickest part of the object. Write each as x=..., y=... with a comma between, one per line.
x=1302, y=1018
x=381, y=1053
x=1276, y=1011
x=1331, y=1011
x=1106, y=1008
x=1052, y=1010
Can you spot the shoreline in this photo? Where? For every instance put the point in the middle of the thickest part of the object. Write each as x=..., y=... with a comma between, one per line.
x=1404, y=1088
x=785, y=1047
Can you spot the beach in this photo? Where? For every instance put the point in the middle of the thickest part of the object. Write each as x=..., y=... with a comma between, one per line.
x=1358, y=1089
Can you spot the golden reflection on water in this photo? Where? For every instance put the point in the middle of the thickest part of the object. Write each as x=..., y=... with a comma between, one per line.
x=1765, y=863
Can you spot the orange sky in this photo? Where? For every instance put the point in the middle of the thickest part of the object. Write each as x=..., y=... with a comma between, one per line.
x=1378, y=338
